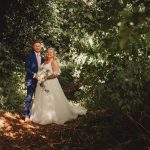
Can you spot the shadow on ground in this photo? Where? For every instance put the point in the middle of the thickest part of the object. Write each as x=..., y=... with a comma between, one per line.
x=99, y=130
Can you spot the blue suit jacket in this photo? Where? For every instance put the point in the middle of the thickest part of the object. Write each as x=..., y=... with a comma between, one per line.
x=31, y=65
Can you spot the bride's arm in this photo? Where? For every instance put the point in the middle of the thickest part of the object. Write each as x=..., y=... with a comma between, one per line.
x=56, y=70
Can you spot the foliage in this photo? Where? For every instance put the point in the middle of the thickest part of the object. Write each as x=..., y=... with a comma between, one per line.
x=66, y=76
x=113, y=59
x=107, y=42
x=10, y=84
x=104, y=45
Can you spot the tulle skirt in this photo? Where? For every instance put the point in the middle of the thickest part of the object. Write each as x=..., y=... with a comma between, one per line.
x=50, y=105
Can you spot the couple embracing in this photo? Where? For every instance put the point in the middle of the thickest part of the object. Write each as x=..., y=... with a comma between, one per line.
x=50, y=104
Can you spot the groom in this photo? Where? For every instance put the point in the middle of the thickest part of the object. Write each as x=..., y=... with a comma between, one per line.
x=32, y=64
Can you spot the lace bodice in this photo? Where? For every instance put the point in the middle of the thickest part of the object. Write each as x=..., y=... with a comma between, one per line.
x=49, y=67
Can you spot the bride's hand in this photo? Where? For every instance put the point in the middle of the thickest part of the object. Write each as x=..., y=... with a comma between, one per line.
x=46, y=77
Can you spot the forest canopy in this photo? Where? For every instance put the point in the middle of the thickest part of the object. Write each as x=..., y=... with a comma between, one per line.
x=105, y=43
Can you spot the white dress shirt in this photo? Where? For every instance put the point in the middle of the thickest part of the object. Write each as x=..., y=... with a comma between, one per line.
x=38, y=57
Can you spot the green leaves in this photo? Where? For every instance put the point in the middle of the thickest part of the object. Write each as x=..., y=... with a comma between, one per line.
x=107, y=42
x=123, y=42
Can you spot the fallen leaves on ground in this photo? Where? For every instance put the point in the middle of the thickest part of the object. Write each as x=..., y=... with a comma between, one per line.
x=98, y=130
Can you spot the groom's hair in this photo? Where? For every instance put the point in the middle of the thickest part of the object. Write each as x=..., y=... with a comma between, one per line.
x=37, y=41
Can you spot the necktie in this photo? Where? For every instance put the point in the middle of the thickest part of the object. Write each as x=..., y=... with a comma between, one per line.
x=38, y=60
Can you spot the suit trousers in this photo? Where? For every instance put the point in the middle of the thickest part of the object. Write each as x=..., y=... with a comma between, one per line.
x=31, y=86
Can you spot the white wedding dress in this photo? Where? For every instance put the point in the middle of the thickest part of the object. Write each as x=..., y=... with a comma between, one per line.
x=53, y=106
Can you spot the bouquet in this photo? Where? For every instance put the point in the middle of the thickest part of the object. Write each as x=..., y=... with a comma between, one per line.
x=42, y=74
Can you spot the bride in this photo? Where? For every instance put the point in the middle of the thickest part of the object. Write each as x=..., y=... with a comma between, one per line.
x=50, y=105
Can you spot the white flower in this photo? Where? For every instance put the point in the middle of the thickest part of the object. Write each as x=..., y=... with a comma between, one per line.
x=42, y=73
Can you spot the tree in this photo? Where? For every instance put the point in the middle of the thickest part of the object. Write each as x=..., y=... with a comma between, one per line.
x=107, y=41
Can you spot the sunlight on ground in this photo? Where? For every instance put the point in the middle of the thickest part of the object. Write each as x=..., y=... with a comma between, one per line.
x=1, y=122
x=11, y=125
x=12, y=116
x=10, y=134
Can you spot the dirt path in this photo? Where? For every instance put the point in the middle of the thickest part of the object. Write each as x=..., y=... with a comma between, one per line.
x=30, y=136
x=97, y=130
